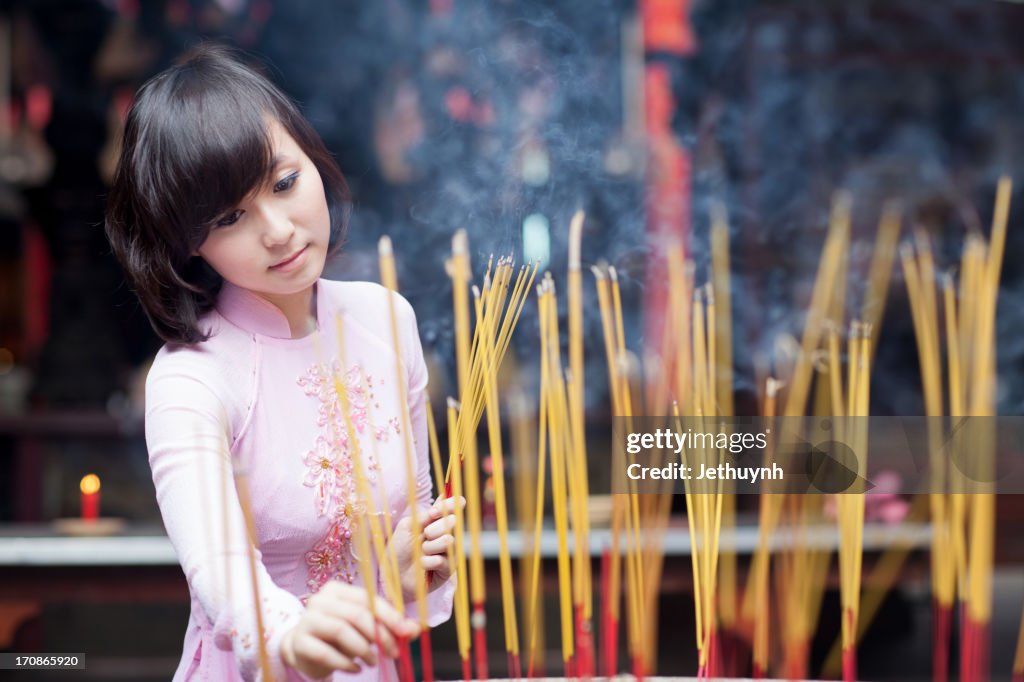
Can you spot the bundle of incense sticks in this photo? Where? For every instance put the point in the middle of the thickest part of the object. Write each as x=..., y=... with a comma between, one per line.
x=497, y=311
x=704, y=498
x=851, y=504
x=979, y=290
x=887, y=568
x=803, y=569
x=919, y=273
x=800, y=583
x=556, y=435
x=655, y=505
x=561, y=434
x=525, y=448
x=532, y=572
x=389, y=279
x=487, y=341
x=970, y=342
x=625, y=507
x=366, y=521
x=756, y=606
x=720, y=358
x=578, y=476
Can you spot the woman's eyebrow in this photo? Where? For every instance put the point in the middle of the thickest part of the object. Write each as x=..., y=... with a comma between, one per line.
x=278, y=160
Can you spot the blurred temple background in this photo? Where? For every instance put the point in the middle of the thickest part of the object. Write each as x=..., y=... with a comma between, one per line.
x=503, y=118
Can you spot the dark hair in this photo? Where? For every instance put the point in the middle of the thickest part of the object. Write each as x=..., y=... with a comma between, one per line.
x=195, y=145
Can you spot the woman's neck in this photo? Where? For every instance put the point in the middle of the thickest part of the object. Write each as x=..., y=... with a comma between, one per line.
x=298, y=308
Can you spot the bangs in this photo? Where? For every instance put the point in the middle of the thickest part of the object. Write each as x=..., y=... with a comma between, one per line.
x=219, y=152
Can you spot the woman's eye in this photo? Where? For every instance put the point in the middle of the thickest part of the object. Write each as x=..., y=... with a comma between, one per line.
x=230, y=219
x=285, y=184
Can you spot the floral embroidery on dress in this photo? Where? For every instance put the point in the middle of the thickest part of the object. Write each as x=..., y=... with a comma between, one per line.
x=330, y=559
x=327, y=472
x=329, y=468
x=318, y=381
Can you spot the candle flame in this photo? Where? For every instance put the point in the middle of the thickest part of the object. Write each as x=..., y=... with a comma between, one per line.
x=90, y=484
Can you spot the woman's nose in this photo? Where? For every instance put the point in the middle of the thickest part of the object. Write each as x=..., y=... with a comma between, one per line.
x=277, y=228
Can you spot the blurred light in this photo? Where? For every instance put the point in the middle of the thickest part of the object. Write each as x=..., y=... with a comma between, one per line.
x=537, y=239
x=617, y=161
x=536, y=167
x=6, y=361
x=38, y=106
x=90, y=484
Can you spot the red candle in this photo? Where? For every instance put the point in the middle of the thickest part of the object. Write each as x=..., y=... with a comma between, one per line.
x=90, y=487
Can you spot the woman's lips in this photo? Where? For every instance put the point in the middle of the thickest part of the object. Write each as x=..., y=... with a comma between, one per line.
x=292, y=262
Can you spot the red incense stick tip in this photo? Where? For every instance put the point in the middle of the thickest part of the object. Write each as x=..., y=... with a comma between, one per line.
x=638, y=667
x=479, y=621
x=405, y=660
x=427, y=655
x=515, y=670
x=849, y=665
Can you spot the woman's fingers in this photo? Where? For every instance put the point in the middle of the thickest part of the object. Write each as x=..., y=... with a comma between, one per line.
x=336, y=589
x=359, y=617
x=438, y=546
x=346, y=638
x=434, y=562
x=439, y=527
x=380, y=631
x=350, y=603
x=395, y=622
x=446, y=505
x=311, y=649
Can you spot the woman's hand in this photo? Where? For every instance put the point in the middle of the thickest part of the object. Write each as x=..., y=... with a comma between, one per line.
x=337, y=631
x=438, y=522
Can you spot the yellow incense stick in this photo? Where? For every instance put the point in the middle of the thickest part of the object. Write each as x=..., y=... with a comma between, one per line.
x=542, y=440
x=583, y=592
x=880, y=273
x=619, y=501
x=242, y=486
x=388, y=569
x=556, y=415
x=722, y=286
x=771, y=505
x=635, y=570
x=435, y=461
x=524, y=448
x=821, y=297
x=389, y=279
x=498, y=472
x=462, y=622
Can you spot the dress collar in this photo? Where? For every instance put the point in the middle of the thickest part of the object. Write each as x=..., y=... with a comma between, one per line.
x=252, y=313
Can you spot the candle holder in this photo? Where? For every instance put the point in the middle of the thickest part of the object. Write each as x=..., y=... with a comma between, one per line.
x=104, y=525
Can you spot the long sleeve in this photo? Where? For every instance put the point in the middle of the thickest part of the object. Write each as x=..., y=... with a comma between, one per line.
x=188, y=435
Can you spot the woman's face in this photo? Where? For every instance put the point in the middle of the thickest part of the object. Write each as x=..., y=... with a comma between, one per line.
x=275, y=242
